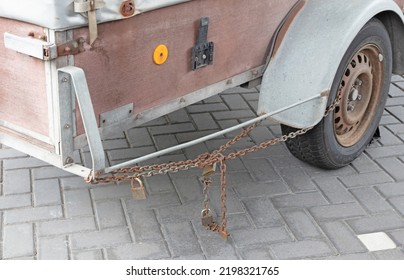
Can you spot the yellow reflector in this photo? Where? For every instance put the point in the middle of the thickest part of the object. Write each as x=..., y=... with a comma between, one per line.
x=160, y=54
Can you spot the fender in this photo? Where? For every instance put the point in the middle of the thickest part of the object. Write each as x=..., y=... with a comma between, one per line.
x=303, y=67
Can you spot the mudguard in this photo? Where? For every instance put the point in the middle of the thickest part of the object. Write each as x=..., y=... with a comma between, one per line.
x=304, y=65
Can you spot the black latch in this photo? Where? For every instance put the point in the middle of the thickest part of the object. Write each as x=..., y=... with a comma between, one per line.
x=202, y=53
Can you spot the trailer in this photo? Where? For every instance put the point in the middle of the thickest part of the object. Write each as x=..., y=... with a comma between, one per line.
x=73, y=71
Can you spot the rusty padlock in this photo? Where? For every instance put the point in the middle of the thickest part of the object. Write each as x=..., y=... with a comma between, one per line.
x=209, y=170
x=206, y=217
x=139, y=192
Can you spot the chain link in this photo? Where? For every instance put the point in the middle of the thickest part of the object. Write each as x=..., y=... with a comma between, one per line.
x=216, y=157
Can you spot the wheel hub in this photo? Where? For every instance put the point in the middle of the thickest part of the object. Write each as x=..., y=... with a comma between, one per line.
x=361, y=89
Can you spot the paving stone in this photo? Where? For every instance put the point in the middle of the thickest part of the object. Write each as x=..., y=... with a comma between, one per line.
x=71, y=183
x=173, y=128
x=371, y=200
x=181, y=239
x=391, y=189
x=209, y=107
x=188, y=188
x=78, y=203
x=47, y=192
x=384, y=152
x=352, y=257
x=158, y=184
x=398, y=236
x=377, y=241
x=395, y=254
x=110, y=214
x=334, y=190
x=204, y=121
x=236, y=114
x=15, y=201
x=32, y=214
x=366, y=178
x=66, y=226
x=100, y=239
x=139, y=137
x=297, y=179
x=393, y=167
x=6, y=153
x=153, y=201
x=261, y=170
x=24, y=162
x=165, y=141
x=145, y=226
x=111, y=191
x=233, y=203
x=396, y=128
x=254, y=189
x=53, y=248
x=48, y=172
x=234, y=101
x=363, y=164
x=377, y=223
x=16, y=182
x=178, y=116
x=261, y=236
x=299, y=200
x=398, y=204
x=337, y=211
x=343, y=238
x=388, y=138
x=397, y=111
x=130, y=153
x=88, y=255
x=263, y=212
x=258, y=254
x=301, y=224
x=302, y=249
x=141, y=251
x=18, y=241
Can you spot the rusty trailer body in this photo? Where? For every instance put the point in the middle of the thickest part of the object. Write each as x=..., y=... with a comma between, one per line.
x=90, y=67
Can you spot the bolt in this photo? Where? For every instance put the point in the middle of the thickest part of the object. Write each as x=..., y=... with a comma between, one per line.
x=67, y=126
x=67, y=49
x=65, y=80
x=204, y=56
x=381, y=57
x=351, y=108
x=69, y=160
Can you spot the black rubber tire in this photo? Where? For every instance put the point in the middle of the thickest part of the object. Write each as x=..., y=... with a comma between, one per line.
x=320, y=146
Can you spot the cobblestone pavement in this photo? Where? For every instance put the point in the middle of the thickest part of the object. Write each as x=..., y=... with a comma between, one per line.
x=279, y=207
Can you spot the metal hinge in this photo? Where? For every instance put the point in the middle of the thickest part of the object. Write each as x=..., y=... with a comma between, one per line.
x=202, y=52
x=41, y=49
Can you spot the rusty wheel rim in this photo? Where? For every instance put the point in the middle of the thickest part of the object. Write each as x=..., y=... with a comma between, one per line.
x=362, y=86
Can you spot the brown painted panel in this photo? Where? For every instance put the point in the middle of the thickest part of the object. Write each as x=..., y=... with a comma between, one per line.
x=400, y=3
x=120, y=67
x=23, y=97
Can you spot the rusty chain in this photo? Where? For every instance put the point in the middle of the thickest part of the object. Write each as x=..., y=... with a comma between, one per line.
x=216, y=157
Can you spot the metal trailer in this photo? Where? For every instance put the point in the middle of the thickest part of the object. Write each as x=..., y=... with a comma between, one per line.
x=72, y=71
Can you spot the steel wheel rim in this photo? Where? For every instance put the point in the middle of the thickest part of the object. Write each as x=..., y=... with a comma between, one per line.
x=361, y=88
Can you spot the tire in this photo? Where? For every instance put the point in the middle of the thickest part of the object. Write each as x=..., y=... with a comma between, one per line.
x=364, y=76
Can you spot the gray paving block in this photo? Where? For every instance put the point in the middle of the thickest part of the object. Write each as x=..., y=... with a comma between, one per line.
x=6, y=153
x=66, y=226
x=395, y=91
x=178, y=116
x=301, y=224
x=263, y=236
x=88, y=255
x=398, y=204
x=234, y=101
x=297, y=179
x=302, y=250
x=158, y=184
x=18, y=241
x=189, y=136
x=208, y=107
x=46, y=192
x=48, y=172
x=398, y=236
x=249, y=188
x=388, y=138
x=236, y=222
x=15, y=201
x=78, y=203
x=188, y=188
x=173, y=128
x=261, y=170
x=24, y=162
x=334, y=190
x=236, y=114
x=337, y=211
x=391, y=189
x=263, y=213
x=32, y=214
x=396, y=128
x=141, y=251
x=371, y=200
x=16, y=181
x=352, y=257
x=111, y=191
x=365, y=179
x=130, y=153
x=153, y=201
x=181, y=239
x=343, y=238
x=145, y=226
x=100, y=239
x=53, y=248
x=71, y=183
x=363, y=164
x=251, y=96
x=213, y=245
x=387, y=151
x=393, y=167
x=397, y=111
x=309, y=199
x=253, y=253
x=397, y=101
x=395, y=254
x=139, y=137
x=377, y=223
x=233, y=203
x=165, y=141
x=204, y=121
x=110, y=214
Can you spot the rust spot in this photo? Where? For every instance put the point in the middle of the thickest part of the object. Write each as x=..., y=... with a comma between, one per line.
x=286, y=25
x=127, y=8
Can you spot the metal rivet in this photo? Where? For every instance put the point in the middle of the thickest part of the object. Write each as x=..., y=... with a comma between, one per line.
x=381, y=57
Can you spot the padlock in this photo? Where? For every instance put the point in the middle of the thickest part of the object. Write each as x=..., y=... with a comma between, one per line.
x=208, y=170
x=207, y=218
x=139, y=192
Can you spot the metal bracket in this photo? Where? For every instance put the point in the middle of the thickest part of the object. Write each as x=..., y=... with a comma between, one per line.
x=202, y=53
x=71, y=48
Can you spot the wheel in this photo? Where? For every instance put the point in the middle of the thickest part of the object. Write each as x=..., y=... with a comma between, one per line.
x=364, y=79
